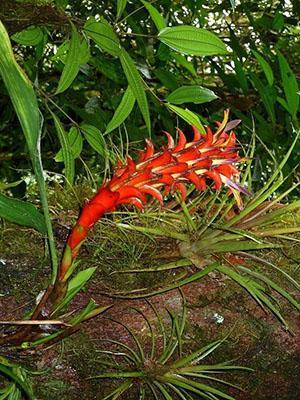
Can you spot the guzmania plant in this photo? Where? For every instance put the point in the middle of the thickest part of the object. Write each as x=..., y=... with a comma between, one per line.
x=210, y=156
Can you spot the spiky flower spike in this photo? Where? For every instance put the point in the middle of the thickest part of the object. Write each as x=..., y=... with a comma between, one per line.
x=207, y=157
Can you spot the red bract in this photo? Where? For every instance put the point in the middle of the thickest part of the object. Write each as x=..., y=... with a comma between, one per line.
x=207, y=158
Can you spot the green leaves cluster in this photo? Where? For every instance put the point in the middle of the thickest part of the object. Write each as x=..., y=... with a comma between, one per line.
x=164, y=372
x=184, y=39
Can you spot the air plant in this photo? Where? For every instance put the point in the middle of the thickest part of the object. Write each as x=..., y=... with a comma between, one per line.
x=14, y=381
x=163, y=369
x=232, y=243
x=210, y=156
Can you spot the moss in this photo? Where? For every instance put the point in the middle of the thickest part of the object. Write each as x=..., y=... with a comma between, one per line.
x=24, y=268
x=59, y=390
x=68, y=380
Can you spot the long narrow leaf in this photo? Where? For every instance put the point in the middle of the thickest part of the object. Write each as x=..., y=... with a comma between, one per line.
x=26, y=107
x=136, y=84
x=66, y=150
x=123, y=111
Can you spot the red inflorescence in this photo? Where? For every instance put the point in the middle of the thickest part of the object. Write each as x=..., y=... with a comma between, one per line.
x=209, y=157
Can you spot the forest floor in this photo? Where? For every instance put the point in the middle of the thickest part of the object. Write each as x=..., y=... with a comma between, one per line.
x=216, y=307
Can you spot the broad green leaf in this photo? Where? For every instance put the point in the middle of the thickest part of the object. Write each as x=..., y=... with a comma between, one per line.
x=265, y=67
x=191, y=40
x=75, y=142
x=95, y=138
x=290, y=85
x=66, y=150
x=121, y=5
x=25, y=104
x=123, y=110
x=21, y=213
x=181, y=60
x=81, y=278
x=156, y=17
x=78, y=53
x=30, y=36
x=190, y=117
x=191, y=94
x=103, y=35
x=136, y=84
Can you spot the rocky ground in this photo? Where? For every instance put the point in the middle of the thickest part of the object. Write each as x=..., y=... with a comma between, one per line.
x=216, y=307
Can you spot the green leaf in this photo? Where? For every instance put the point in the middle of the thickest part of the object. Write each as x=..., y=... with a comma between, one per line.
x=254, y=289
x=21, y=213
x=66, y=150
x=111, y=68
x=75, y=285
x=103, y=35
x=136, y=84
x=121, y=5
x=191, y=94
x=61, y=52
x=190, y=117
x=266, y=94
x=78, y=53
x=75, y=142
x=8, y=185
x=15, y=376
x=273, y=285
x=30, y=36
x=241, y=76
x=94, y=138
x=290, y=85
x=26, y=107
x=194, y=277
x=167, y=78
x=191, y=40
x=283, y=103
x=123, y=110
x=21, y=92
x=265, y=67
x=61, y=3
x=181, y=60
x=156, y=17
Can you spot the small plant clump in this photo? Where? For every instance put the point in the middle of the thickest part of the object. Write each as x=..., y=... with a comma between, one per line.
x=163, y=369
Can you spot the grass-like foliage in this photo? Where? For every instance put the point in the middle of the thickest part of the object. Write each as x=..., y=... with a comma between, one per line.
x=161, y=369
x=14, y=381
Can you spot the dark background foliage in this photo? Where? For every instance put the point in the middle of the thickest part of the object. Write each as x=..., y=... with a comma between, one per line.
x=248, y=80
